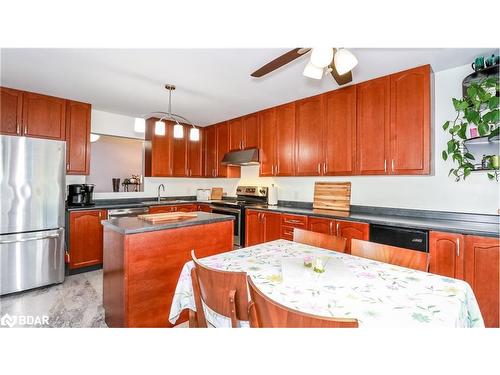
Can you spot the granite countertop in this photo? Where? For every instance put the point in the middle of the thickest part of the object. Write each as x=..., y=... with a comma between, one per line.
x=490, y=229
x=132, y=225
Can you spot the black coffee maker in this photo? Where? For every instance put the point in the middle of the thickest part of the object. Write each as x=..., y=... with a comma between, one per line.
x=81, y=195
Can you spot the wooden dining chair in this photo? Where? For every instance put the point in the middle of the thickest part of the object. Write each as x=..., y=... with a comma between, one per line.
x=263, y=312
x=325, y=241
x=398, y=256
x=224, y=292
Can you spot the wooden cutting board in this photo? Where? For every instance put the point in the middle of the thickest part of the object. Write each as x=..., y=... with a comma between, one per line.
x=216, y=193
x=167, y=216
x=332, y=196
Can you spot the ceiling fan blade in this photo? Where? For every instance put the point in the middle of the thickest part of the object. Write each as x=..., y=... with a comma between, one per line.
x=340, y=79
x=280, y=61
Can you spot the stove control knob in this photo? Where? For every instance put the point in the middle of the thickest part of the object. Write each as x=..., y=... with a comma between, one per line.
x=262, y=191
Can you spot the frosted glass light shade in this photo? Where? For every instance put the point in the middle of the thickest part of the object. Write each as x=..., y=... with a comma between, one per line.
x=312, y=71
x=159, y=128
x=321, y=57
x=178, y=131
x=139, y=125
x=194, y=134
x=344, y=61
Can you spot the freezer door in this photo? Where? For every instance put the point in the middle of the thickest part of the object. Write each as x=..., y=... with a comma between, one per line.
x=30, y=260
x=33, y=184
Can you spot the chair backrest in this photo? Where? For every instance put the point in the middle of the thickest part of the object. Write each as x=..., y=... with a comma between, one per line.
x=224, y=292
x=325, y=241
x=266, y=313
x=417, y=260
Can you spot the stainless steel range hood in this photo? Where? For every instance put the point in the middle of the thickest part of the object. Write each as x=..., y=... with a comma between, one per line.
x=243, y=157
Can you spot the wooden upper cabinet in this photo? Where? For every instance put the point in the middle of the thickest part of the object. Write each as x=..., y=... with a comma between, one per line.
x=339, y=134
x=195, y=156
x=222, y=130
x=446, y=251
x=11, y=111
x=267, y=142
x=285, y=140
x=251, y=131
x=482, y=273
x=309, y=137
x=410, y=121
x=180, y=155
x=78, y=138
x=373, y=120
x=44, y=116
x=210, y=151
x=235, y=134
x=85, y=238
x=158, y=150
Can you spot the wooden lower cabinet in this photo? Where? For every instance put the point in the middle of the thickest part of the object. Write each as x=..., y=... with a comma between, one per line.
x=289, y=223
x=350, y=230
x=446, y=251
x=322, y=225
x=481, y=271
x=172, y=208
x=262, y=227
x=85, y=238
x=203, y=207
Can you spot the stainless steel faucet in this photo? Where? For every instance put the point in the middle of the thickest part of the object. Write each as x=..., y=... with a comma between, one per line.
x=159, y=196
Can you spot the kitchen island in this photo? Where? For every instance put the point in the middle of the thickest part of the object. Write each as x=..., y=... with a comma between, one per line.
x=142, y=262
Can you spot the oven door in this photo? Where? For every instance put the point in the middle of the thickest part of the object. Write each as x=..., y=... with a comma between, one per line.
x=237, y=220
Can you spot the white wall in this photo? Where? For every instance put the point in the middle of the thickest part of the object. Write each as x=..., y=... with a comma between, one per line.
x=113, y=124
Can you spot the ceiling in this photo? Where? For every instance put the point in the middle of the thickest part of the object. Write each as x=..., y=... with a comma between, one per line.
x=212, y=84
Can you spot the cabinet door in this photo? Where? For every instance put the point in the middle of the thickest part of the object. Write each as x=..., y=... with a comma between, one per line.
x=309, y=137
x=339, y=138
x=235, y=134
x=44, y=116
x=410, y=121
x=158, y=151
x=85, y=238
x=77, y=138
x=195, y=156
x=185, y=208
x=251, y=131
x=180, y=155
x=267, y=135
x=350, y=230
x=11, y=104
x=210, y=152
x=373, y=120
x=222, y=147
x=446, y=251
x=161, y=209
x=272, y=226
x=285, y=140
x=482, y=273
x=321, y=225
x=254, y=230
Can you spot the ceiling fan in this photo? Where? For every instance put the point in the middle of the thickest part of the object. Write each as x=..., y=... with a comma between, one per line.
x=338, y=62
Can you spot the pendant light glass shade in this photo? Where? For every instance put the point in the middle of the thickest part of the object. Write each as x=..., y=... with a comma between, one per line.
x=344, y=61
x=139, y=125
x=159, y=128
x=321, y=57
x=194, y=134
x=94, y=137
x=178, y=131
x=313, y=71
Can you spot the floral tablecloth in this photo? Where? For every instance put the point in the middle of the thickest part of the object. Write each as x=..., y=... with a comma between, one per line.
x=377, y=294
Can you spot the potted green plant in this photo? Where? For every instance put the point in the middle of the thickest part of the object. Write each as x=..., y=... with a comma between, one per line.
x=479, y=108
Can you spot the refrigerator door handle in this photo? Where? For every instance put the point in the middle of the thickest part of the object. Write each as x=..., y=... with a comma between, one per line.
x=31, y=239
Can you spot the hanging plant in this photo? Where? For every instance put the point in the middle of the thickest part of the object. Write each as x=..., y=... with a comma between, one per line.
x=479, y=108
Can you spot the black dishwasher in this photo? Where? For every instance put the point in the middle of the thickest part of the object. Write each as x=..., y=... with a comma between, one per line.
x=415, y=239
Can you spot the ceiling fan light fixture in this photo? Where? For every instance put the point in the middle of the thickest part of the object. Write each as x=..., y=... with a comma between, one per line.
x=312, y=71
x=344, y=61
x=159, y=128
x=178, y=131
x=321, y=57
x=194, y=134
x=139, y=125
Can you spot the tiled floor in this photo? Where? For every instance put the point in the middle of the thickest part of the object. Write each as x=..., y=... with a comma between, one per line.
x=75, y=303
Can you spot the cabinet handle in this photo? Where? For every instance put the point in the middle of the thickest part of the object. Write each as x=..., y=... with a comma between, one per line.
x=272, y=169
x=337, y=229
x=392, y=165
x=18, y=128
x=293, y=221
x=99, y=214
x=385, y=165
x=331, y=227
x=276, y=170
x=458, y=247
x=241, y=145
x=324, y=167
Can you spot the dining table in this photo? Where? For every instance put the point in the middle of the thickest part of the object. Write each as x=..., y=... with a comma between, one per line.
x=377, y=294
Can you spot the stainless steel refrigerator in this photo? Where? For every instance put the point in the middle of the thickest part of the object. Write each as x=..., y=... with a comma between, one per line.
x=33, y=188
